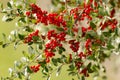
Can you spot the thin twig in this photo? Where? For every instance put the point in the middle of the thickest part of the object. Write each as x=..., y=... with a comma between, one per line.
x=79, y=16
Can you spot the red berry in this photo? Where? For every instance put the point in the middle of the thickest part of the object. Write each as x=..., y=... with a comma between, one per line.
x=28, y=13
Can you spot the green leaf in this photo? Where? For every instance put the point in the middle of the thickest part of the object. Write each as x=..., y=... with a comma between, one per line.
x=5, y=45
x=82, y=78
x=20, y=12
x=119, y=46
x=19, y=75
x=107, y=34
x=70, y=32
x=29, y=70
x=16, y=44
x=72, y=73
x=61, y=50
x=21, y=36
x=109, y=46
x=27, y=28
x=60, y=29
x=92, y=25
x=54, y=61
x=35, y=38
x=1, y=6
x=71, y=68
x=89, y=68
x=9, y=5
x=9, y=19
x=4, y=37
x=40, y=45
x=22, y=19
x=58, y=70
x=91, y=34
x=55, y=2
x=112, y=3
x=19, y=6
x=46, y=69
x=44, y=73
x=59, y=60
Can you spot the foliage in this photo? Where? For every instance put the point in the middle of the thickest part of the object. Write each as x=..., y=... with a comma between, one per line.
x=80, y=34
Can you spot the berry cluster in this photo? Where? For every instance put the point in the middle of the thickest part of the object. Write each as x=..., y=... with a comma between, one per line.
x=78, y=64
x=112, y=13
x=88, y=45
x=29, y=38
x=85, y=72
x=81, y=55
x=45, y=17
x=84, y=30
x=55, y=40
x=53, y=44
x=74, y=45
x=111, y=23
x=48, y=55
x=35, y=68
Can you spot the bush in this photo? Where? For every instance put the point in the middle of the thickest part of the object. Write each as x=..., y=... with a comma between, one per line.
x=78, y=33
